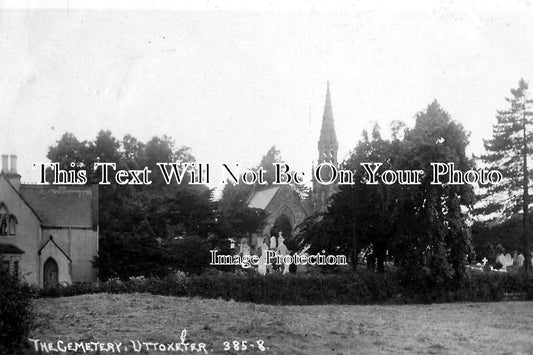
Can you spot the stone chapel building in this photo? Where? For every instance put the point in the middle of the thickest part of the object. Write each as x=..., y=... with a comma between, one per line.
x=48, y=233
x=285, y=211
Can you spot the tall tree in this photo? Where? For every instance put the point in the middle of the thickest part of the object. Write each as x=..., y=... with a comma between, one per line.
x=430, y=220
x=236, y=219
x=508, y=152
x=267, y=163
x=422, y=225
x=357, y=218
x=70, y=153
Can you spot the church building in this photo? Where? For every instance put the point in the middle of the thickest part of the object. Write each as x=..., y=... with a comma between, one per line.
x=285, y=211
x=48, y=233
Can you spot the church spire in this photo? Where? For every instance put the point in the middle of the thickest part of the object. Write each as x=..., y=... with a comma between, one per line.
x=327, y=144
x=327, y=153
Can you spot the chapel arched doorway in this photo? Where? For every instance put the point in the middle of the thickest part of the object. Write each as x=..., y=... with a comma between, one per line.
x=50, y=273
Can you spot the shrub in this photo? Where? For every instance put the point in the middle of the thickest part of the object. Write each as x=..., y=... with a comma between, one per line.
x=16, y=314
x=190, y=254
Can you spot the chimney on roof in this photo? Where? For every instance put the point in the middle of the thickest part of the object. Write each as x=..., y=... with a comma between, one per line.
x=13, y=164
x=5, y=168
x=11, y=174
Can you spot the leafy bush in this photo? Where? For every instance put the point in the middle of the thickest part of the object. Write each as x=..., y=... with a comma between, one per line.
x=16, y=314
x=70, y=290
x=190, y=254
x=134, y=254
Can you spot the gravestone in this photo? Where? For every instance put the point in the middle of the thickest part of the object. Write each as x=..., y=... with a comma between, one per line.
x=520, y=260
x=273, y=242
x=246, y=249
x=508, y=260
x=261, y=264
x=282, y=250
x=286, y=268
x=281, y=240
x=241, y=245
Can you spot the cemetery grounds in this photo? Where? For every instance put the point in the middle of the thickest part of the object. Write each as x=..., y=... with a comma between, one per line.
x=464, y=328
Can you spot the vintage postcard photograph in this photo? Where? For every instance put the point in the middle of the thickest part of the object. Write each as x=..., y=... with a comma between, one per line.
x=266, y=177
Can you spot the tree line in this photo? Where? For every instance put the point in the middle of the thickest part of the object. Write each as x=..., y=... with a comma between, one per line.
x=151, y=230
x=424, y=229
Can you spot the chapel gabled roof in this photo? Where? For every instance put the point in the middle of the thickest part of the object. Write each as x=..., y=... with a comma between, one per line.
x=51, y=240
x=261, y=199
x=60, y=206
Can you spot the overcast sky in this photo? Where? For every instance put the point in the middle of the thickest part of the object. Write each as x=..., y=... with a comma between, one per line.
x=230, y=84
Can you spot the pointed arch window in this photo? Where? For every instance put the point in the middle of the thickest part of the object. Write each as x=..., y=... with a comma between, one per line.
x=3, y=219
x=12, y=224
x=8, y=222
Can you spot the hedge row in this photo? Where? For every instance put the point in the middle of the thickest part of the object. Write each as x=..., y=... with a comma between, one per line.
x=303, y=289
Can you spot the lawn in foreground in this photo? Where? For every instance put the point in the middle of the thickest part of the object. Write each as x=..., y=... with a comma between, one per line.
x=495, y=328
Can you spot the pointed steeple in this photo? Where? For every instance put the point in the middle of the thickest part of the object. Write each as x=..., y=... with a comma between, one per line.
x=327, y=143
x=327, y=153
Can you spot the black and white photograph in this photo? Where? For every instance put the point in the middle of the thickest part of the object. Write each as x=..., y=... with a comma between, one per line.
x=266, y=177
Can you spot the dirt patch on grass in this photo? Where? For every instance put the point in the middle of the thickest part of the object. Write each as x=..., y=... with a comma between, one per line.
x=505, y=327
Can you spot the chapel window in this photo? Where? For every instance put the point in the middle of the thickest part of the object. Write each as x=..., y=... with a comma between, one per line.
x=12, y=225
x=3, y=220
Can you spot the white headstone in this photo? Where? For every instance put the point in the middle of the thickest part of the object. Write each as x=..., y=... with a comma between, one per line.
x=508, y=260
x=520, y=259
x=280, y=238
x=484, y=260
x=282, y=248
x=261, y=264
x=273, y=242
x=286, y=268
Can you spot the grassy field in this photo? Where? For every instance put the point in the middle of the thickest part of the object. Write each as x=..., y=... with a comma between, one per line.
x=491, y=328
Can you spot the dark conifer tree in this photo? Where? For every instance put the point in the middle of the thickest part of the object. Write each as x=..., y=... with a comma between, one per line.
x=508, y=152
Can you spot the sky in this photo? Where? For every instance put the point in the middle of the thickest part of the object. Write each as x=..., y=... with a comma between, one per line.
x=230, y=80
